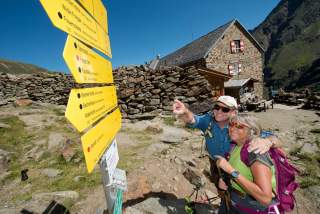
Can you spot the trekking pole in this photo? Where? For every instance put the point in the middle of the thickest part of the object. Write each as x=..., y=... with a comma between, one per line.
x=226, y=196
x=202, y=145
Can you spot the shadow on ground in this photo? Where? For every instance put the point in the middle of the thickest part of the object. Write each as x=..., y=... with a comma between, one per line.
x=162, y=202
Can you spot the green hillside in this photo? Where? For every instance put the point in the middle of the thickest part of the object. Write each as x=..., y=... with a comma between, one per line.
x=20, y=68
x=291, y=37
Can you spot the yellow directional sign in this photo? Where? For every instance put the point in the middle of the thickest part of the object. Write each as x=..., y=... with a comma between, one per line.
x=98, y=11
x=88, y=5
x=70, y=17
x=86, y=65
x=87, y=105
x=97, y=139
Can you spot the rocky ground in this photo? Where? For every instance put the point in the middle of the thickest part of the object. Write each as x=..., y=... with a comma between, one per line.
x=162, y=159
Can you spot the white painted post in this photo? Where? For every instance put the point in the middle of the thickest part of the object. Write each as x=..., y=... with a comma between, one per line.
x=109, y=189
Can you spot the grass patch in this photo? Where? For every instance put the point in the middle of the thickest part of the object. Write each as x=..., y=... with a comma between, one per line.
x=317, y=131
x=309, y=176
x=14, y=140
x=128, y=160
x=132, y=157
x=18, y=142
x=169, y=121
x=309, y=181
x=14, y=137
x=23, y=197
x=304, y=157
x=65, y=181
x=68, y=203
x=295, y=151
x=58, y=112
x=143, y=137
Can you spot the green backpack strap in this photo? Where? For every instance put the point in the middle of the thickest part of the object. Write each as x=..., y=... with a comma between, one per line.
x=207, y=132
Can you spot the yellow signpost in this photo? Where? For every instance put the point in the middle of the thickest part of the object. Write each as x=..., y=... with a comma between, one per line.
x=70, y=17
x=94, y=110
x=86, y=65
x=98, y=11
x=88, y=105
x=88, y=5
x=97, y=139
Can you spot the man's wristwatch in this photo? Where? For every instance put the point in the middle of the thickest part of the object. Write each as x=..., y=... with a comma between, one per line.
x=235, y=174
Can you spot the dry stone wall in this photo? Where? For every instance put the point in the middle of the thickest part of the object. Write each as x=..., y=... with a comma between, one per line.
x=143, y=90
x=139, y=89
x=48, y=88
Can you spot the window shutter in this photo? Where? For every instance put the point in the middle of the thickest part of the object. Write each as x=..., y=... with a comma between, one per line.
x=233, y=46
x=239, y=68
x=241, y=46
x=230, y=69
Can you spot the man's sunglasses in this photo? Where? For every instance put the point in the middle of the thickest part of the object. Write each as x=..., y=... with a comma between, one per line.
x=237, y=125
x=224, y=109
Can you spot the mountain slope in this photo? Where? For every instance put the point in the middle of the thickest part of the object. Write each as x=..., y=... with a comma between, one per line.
x=20, y=68
x=291, y=37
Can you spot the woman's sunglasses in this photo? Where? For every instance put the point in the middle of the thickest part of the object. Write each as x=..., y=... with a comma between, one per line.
x=224, y=109
x=237, y=125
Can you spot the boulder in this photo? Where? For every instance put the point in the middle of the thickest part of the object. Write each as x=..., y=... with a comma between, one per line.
x=51, y=173
x=194, y=176
x=68, y=153
x=309, y=148
x=154, y=128
x=3, y=102
x=22, y=102
x=56, y=195
x=5, y=126
x=35, y=153
x=56, y=140
x=4, y=160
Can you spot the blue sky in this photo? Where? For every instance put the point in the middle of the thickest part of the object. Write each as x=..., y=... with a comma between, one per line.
x=138, y=29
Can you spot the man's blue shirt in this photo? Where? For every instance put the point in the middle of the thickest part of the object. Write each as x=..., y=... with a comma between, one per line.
x=218, y=142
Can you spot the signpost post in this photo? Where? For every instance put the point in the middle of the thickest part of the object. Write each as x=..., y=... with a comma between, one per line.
x=93, y=110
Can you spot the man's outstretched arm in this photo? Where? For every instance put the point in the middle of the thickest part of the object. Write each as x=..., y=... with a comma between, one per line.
x=263, y=145
x=183, y=112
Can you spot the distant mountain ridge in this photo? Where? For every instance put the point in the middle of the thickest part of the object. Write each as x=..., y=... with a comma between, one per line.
x=12, y=67
x=291, y=37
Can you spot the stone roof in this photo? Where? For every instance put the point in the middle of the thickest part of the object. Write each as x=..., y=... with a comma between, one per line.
x=200, y=47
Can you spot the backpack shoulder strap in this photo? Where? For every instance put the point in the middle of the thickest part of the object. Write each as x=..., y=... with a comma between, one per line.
x=208, y=132
x=244, y=154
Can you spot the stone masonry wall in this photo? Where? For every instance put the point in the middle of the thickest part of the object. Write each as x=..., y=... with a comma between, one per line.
x=250, y=59
x=143, y=90
x=49, y=88
x=139, y=89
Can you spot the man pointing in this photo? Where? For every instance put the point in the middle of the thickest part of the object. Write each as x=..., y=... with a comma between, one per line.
x=214, y=125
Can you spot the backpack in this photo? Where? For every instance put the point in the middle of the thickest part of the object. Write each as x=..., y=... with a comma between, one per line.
x=285, y=177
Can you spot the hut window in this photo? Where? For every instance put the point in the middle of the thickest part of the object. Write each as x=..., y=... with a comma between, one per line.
x=237, y=46
x=234, y=69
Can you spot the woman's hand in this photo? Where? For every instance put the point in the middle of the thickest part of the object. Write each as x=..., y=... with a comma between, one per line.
x=222, y=184
x=224, y=164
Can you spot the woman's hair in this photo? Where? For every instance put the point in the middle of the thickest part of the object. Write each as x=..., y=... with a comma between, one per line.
x=250, y=121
